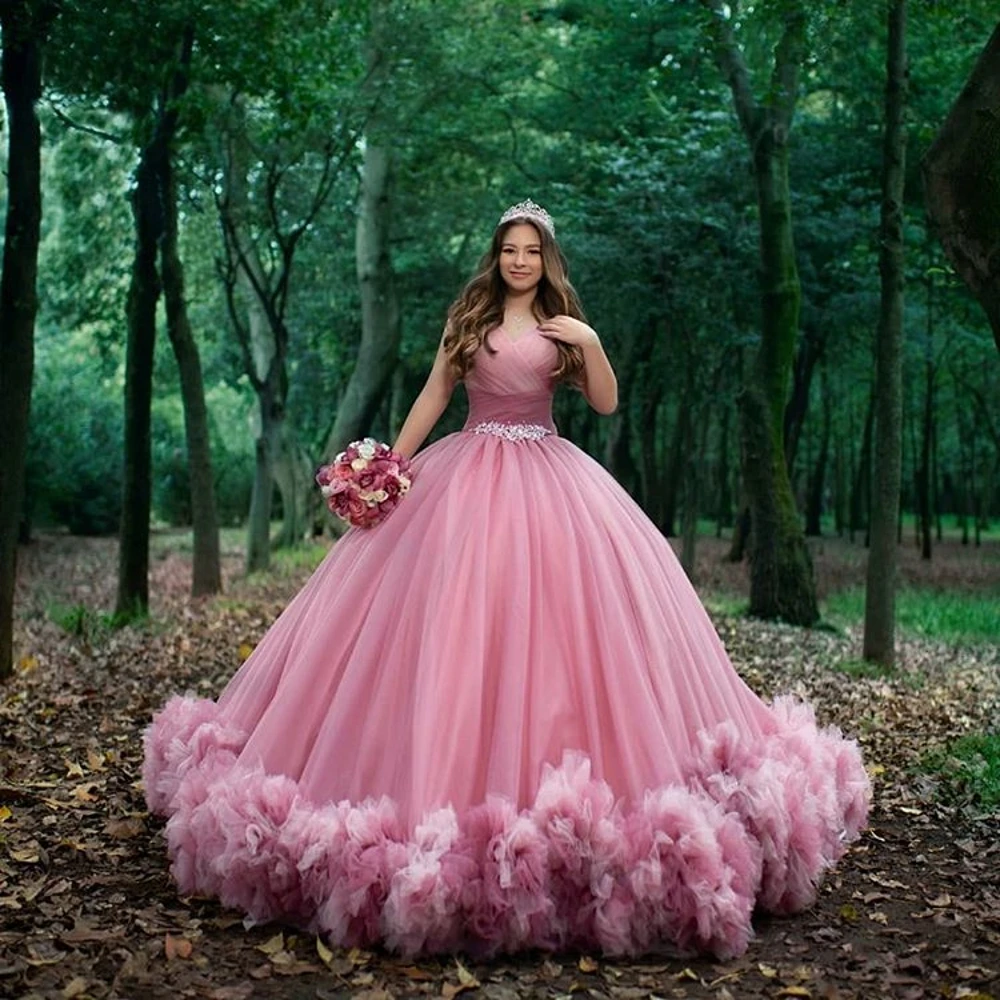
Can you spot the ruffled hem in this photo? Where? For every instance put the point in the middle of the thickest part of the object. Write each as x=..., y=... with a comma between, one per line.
x=756, y=824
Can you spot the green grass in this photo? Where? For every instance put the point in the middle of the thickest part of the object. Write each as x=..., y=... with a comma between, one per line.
x=862, y=668
x=970, y=768
x=727, y=605
x=87, y=623
x=875, y=671
x=307, y=556
x=968, y=618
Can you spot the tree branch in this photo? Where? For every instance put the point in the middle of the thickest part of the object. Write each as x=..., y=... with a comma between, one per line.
x=788, y=56
x=729, y=57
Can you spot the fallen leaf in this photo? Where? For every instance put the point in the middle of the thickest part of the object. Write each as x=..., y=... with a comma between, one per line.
x=124, y=829
x=416, y=973
x=793, y=991
x=241, y=992
x=5, y=814
x=587, y=964
x=74, y=988
x=466, y=978
x=273, y=945
x=325, y=955
x=177, y=947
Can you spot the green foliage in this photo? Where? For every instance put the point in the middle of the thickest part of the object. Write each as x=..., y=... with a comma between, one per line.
x=937, y=614
x=74, y=448
x=970, y=766
x=612, y=113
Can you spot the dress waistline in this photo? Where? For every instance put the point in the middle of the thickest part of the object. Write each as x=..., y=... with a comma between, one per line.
x=511, y=431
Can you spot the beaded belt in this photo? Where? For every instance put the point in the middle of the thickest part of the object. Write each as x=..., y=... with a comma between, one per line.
x=512, y=432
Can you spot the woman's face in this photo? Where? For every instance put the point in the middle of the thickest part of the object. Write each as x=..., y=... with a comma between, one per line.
x=521, y=257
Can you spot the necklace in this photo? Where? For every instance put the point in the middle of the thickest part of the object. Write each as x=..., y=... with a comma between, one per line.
x=515, y=323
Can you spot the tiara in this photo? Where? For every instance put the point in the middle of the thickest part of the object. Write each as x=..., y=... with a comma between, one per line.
x=530, y=211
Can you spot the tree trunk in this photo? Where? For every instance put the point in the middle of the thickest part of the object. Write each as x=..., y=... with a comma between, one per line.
x=255, y=304
x=724, y=495
x=839, y=488
x=781, y=575
x=963, y=184
x=880, y=588
x=817, y=479
x=293, y=475
x=924, y=472
x=144, y=291
x=24, y=28
x=675, y=468
x=258, y=544
x=378, y=351
x=936, y=483
x=861, y=488
x=696, y=448
x=207, y=572
x=809, y=353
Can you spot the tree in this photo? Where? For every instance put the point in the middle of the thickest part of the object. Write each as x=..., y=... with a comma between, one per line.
x=144, y=292
x=880, y=589
x=206, y=573
x=962, y=180
x=781, y=576
x=259, y=250
x=25, y=26
x=380, y=312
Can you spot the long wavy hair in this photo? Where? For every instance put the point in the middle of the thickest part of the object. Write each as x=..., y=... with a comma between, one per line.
x=479, y=308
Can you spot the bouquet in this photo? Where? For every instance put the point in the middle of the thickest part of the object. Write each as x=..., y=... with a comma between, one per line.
x=365, y=482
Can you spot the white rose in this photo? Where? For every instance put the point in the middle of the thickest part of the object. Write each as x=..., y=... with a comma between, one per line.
x=359, y=464
x=380, y=495
x=366, y=449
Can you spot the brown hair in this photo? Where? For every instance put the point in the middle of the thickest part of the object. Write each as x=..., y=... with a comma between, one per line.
x=479, y=308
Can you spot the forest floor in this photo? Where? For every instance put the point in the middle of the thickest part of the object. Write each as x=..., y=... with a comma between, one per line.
x=87, y=909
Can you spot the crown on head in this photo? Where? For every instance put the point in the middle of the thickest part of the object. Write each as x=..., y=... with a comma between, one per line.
x=530, y=212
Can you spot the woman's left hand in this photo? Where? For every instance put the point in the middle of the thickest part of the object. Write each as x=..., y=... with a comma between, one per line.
x=568, y=330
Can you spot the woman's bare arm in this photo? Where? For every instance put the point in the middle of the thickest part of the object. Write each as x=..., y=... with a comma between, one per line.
x=427, y=407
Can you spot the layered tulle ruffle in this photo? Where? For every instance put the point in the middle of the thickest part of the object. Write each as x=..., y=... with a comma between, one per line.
x=755, y=823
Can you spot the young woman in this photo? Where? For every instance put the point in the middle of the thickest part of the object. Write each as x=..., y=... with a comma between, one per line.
x=502, y=719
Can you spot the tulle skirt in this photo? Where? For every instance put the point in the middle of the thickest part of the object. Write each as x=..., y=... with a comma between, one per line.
x=502, y=720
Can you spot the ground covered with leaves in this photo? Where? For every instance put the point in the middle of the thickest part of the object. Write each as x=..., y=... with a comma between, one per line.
x=87, y=908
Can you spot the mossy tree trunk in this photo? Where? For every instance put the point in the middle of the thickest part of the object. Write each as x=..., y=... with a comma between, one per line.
x=781, y=574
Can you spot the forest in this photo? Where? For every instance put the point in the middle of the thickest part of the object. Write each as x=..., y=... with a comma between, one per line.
x=254, y=216
x=328, y=175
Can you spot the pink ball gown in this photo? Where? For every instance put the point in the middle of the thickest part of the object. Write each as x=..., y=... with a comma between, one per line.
x=502, y=720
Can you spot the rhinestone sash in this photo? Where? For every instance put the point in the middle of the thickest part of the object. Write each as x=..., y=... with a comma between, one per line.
x=512, y=432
